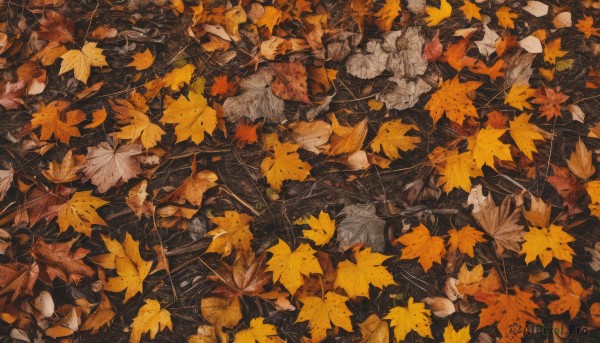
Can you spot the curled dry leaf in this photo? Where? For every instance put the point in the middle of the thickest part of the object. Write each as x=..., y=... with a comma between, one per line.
x=312, y=136
x=60, y=260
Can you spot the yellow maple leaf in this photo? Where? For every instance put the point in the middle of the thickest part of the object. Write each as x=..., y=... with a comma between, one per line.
x=517, y=96
x=150, y=318
x=510, y=312
x=470, y=10
x=420, y=244
x=103, y=315
x=258, y=332
x=177, y=77
x=131, y=268
x=570, y=294
x=289, y=267
x=505, y=17
x=192, y=116
x=355, y=278
x=221, y=312
x=552, y=51
x=142, y=60
x=137, y=124
x=53, y=121
x=233, y=230
x=387, y=14
x=232, y=20
x=436, y=15
x=486, y=145
x=81, y=61
x=80, y=213
x=452, y=98
x=392, y=137
x=547, y=243
x=270, y=18
x=465, y=239
x=414, y=317
x=586, y=26
x=457, y=170
x=66, y=171
x=321, y=230
x=524, y=134
x=593, y=189
x=284, y=165
x=461, y=336
x=322, y=312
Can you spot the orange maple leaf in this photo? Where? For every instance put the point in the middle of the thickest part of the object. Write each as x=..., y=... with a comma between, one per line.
x=222, y=87
x=54, y=121
x=551, y=101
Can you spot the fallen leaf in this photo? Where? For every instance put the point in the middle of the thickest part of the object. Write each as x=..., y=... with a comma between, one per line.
x=312, y=135
x=66, y=171
x=509, y=311
x=547, y=243
x=222, y=87
x=290, y=82
x=570, y=294
x=452, y=98
x=392, y=137
x=461, y=336
x=103, y=315
x=18, y=278
x=580, y=162
x=346, y=139
x=54, y=27
x=60, y=260
x=539, y=213
x=369, y=63
x=10, y=94
x=501, y=223
x=233, y=231
x=131, y=268
x=98, y=118
x=80, y=213
x=524, y=134
x=257, y=100
x=321, y=229
x=374, y=330
x=536, y=8
x=142, y=60
x=284, y=165
x=414, y=317
x=193, y=188
x=586, y=26
x=593, y=189
x=192, y=117
x=176, y=78
x=420, y=244
x=321, y=313
x=573, y=193
x=6, y=179
x=361, y=227
x=552, y=51
x=487, y=45
x=106, y=166
x=55, y=122
x=221, y=313
x=66, y=326
x=517, y=96
x=150, y=318
x=258, y=331
x=505, y=17
x=355, y=278
x=551, y=101
x=289, y=266
x=136, y=200
x=473, y=283
x=465, y=239
x=81, y=61
x=387, y=14
x=486, y=146
x=246, y=276
x=270, y=18
x=436, y=15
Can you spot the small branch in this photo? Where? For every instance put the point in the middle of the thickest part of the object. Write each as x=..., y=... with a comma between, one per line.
x=240, y=200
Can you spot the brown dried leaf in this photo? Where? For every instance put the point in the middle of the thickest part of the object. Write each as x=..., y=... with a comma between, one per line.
x=106, y=166
x=501, y=222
